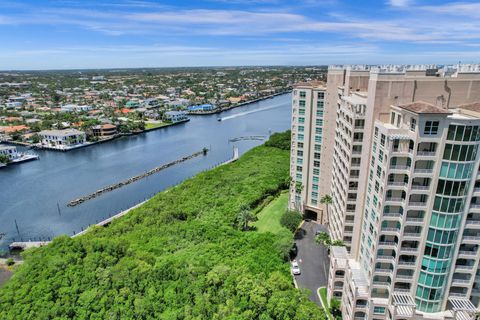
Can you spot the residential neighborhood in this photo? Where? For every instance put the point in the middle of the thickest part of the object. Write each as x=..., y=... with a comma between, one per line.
x=100, y=105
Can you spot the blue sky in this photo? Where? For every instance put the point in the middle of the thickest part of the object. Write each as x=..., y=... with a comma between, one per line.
x=65, y=34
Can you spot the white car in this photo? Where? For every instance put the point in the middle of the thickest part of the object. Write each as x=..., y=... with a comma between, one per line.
x=295, y=268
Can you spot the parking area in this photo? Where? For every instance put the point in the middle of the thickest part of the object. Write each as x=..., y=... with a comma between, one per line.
x=312, y=259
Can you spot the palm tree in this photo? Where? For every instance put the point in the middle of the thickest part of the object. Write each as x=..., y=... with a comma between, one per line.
x=327, y=200
x=244, y=217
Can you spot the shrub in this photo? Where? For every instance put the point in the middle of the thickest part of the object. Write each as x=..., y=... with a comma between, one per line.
x=10, y=262
x=291, y=220
x=280, y=140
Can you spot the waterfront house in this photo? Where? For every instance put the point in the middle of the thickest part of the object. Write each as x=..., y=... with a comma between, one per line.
x=62, y=139
x=105, y=130
x=202, y=107
x=16, y=157
x=9, y=151
x=74, y=107
x=176, y=116
x=132, y=104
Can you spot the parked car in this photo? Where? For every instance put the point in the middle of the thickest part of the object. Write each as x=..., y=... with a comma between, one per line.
x=295, y=268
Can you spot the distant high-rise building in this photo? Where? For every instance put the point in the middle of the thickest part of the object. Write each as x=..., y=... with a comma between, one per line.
x=403, y=164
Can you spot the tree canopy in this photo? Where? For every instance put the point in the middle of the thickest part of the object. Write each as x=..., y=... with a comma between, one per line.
x=179, y=256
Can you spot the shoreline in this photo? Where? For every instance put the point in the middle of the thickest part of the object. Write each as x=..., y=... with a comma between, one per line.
x=216, y=111
x=24, y=245
x=220, y=110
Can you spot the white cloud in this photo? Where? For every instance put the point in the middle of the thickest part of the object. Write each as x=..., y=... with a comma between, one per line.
x=399, y=3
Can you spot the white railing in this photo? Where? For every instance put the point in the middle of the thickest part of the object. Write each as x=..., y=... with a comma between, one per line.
x=423, y=170
x=426, y=153
x=416, y=187
x=414, y=219
x=398, y=167
x=467, y=253
x=417, y=204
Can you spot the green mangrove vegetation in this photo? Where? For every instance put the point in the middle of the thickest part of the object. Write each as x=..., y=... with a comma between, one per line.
x=179, y=256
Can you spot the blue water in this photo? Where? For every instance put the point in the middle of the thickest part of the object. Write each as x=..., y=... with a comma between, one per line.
x=29, y=192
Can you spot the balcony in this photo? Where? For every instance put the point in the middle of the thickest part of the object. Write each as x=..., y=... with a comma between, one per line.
x=472, y=223
x=420, y=188
x=475, y=206
x=386, y=258
x=396, y=184
x=406, y=263
x=408, y=250
x=469, y=253
x=426, y=153
x=395, y=200
x=399, y=167
x=388, y=244
x=380, y=270
x=412, y=234
x=463, y=268
x=473, y=239
x=461, y=282
x=422, y=171
x=419, y=204
x=390, y=230
x=411, y=220
x=404, y=276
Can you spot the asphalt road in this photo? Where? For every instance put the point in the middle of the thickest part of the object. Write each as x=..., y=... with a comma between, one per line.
x=312, y=259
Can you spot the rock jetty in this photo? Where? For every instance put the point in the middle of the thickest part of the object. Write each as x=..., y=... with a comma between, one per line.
x=120, y=184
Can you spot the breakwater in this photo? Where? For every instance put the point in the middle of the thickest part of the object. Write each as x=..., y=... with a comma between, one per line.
x=120, y=184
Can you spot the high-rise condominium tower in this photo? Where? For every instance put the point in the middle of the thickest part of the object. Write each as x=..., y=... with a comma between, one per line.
x=404, y=167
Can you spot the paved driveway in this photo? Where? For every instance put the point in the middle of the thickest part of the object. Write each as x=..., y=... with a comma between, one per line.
x=312, y=259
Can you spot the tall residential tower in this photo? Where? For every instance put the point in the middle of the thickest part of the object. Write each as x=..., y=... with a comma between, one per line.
x=404, y=169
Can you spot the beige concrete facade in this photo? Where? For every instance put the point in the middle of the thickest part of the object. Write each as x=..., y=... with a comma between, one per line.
x=384, y=155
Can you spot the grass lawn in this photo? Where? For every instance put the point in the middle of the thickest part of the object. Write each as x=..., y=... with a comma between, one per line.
x=153, y=125
x=269, y=217
x=323, y=297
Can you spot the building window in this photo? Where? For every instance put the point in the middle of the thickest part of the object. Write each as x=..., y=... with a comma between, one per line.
x=431, y=127
x=318, y=138
x=300, y=137
x=299, y=177
x=376, y=131
x=382, y=140
x=302, y=103
x=301, y=120
x=318, y=147
x=316, y=171
x=319, y=113
x=314, y=202
x=300, y=144
x=299, y=161
x=299, y=168
x=316, y=164
x=300, y=153
x=314, y=194
x=321, y=95
x=301, y=128
x=303, y=94
x=301, y=112
x=413, y=124
x=319, y=122
x=379, y=310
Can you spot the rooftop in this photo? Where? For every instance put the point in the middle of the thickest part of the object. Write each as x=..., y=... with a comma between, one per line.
x=475, y=106
x=311, y=84
x=422, y=107
x=65, y=132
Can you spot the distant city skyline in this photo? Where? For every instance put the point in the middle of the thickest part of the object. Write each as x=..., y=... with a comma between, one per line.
x=130, y=34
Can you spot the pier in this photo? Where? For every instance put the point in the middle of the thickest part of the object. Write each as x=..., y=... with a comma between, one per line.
x=120, y=184
x=259, y=138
